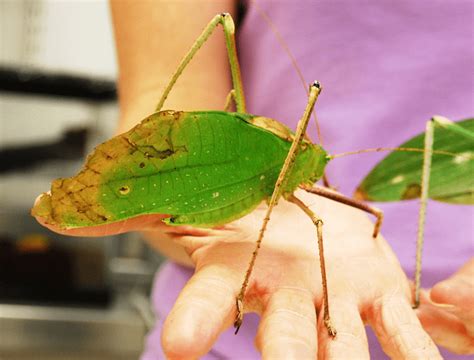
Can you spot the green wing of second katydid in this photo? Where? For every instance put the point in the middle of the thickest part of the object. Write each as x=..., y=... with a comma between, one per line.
x=398, y=176
x=198, y=168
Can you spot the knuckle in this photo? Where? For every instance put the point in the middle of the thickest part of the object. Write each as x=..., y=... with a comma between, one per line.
x=339, y=349
x=431, y=353
x=286, y=347
x=207, y=294
x=395, y=311
x=285, y=324
x=412, y=342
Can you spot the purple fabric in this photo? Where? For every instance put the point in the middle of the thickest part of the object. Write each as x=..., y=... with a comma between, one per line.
x=386, y=68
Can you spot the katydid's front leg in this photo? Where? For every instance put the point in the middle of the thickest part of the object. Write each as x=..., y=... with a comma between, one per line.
x=314, y=92
x=425, y=181
x=229, y=31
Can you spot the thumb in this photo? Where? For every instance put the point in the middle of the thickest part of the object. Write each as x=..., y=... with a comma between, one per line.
x=458, y=290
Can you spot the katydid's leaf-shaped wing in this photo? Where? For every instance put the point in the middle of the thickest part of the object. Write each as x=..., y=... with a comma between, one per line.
x=398, y=176
x=201, y=168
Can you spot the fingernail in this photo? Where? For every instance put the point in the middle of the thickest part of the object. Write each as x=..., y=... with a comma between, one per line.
x=442, y=306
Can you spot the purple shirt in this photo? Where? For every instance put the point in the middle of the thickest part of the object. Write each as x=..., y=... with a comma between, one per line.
x=386, y=68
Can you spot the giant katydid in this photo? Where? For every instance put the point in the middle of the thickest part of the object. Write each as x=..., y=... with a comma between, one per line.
x=172, y=163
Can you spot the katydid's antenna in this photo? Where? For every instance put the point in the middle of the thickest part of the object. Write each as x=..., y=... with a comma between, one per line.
x=285, y=47
x=402, y=149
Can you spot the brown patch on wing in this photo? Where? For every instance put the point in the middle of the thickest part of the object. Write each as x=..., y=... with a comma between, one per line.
x=412, y=191
x=273, y=126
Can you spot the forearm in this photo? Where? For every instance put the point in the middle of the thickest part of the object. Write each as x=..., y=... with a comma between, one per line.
x=151, y=38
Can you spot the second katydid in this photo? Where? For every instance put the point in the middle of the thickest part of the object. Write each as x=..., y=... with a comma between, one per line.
x=176, y=163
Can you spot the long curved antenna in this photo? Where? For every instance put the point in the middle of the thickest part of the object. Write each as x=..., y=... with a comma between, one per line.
x=286, y=48
x=380, y=149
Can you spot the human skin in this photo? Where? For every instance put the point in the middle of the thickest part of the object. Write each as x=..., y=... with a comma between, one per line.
x=366, y=283
x=447, y=311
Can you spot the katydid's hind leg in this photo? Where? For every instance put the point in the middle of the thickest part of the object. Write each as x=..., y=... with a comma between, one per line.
x=425, y=184
x=314, y=92
x=335, y=196
x=425, y=181
x=229, y=31
x=319, y=229
x=229, y=100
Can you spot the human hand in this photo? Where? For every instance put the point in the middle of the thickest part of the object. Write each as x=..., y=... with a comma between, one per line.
x=366, y=284
x=447, y=311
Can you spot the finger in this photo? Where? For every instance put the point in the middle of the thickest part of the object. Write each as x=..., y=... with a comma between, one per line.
x=203, y=309
x=351, y=339
x=399, y=330
x=288, y=326
x=444, y=328
x=458, y=291
x=196, y=237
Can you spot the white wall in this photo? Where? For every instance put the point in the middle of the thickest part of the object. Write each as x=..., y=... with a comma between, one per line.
x=72, y=36
x=66, y=35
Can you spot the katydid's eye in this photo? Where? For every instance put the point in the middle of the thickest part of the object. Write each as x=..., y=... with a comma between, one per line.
x=124, y=190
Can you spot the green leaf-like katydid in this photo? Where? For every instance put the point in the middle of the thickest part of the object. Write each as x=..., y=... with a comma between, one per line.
x=199, y=168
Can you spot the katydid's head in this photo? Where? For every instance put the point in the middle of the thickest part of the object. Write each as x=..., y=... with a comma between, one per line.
x=317, y=159
x=317, y=85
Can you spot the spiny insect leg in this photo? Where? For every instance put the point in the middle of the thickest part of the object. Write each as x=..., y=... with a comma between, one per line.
x=425, y=181
x=319, y=228
x=315, y=90
x=229, y=31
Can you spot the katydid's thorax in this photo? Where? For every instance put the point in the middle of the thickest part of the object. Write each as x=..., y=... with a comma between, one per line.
x=310, y=161
x=202, y=168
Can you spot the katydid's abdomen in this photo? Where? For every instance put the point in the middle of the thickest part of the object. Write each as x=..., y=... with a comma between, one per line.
x=200, y=168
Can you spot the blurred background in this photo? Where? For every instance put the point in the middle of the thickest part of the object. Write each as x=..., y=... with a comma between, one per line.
x=60, y=297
